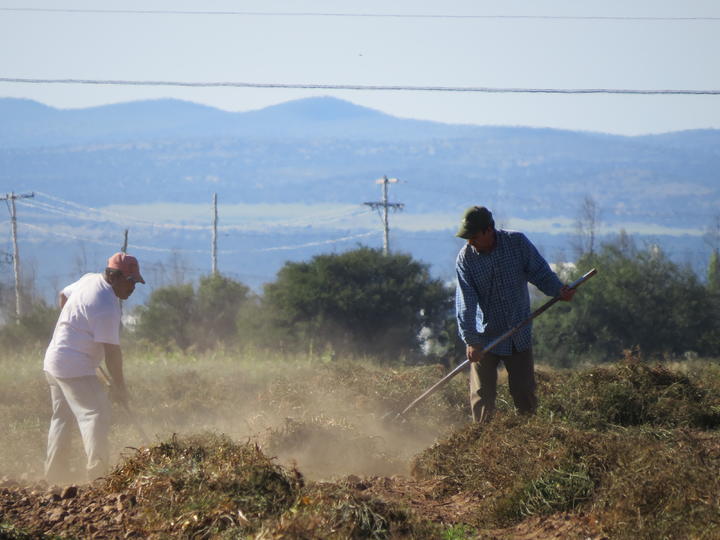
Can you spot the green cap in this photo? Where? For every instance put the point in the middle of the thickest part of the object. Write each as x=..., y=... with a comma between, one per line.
x=476, y=219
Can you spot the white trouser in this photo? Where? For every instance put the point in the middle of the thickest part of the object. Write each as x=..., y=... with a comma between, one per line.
x=81, y=399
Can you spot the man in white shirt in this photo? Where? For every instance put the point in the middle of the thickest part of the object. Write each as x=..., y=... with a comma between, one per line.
x=87, y=330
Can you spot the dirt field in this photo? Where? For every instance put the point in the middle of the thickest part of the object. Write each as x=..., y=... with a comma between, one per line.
x=630, y=450
x=89, y=512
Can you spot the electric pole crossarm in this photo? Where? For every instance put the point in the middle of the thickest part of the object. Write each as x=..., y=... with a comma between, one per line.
x=384, y=204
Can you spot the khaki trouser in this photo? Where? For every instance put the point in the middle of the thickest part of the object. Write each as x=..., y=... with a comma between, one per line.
x=85, y=401
x=521, y=380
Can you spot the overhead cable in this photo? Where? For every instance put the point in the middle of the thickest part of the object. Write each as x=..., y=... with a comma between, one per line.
x=363, y=15
x=320, y=243
x=364, y=87
x=137, y=247
x=55, y=232
x=107, y=215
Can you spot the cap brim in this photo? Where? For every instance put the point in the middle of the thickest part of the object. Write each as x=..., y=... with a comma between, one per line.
x=137, y=277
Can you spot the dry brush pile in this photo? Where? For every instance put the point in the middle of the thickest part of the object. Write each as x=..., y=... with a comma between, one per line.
x=634, y=446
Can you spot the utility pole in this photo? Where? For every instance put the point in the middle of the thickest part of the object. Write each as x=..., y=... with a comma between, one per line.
x=124, y=250
x=214, y=235
x=10, y=200
x=384, y=204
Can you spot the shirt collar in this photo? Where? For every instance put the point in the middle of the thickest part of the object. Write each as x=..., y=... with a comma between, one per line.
x=491, y=249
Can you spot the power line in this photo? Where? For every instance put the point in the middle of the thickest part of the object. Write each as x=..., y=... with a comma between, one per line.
x=136, y=247
x=301, y=221
x=319, y=243
x=365, y=87
x=109, y=217
x=362, y=15
x=55, y=232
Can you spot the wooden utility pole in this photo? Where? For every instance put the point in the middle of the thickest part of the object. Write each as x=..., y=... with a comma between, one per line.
x=124, y=250
x=214, y=235
x=10, y=200
x=384, y=204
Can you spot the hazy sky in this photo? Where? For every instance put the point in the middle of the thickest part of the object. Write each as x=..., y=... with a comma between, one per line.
x=459, y=52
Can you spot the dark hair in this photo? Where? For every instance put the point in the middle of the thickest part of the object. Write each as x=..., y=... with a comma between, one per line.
x=489, y=226
x=110, y=273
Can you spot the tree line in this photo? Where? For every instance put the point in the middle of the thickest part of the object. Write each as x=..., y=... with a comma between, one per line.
x=362, y=302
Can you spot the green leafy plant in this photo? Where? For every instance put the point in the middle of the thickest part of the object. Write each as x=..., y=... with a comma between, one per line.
x=360, y=301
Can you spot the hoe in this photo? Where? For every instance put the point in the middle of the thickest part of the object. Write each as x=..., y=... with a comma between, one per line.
x=489, y=347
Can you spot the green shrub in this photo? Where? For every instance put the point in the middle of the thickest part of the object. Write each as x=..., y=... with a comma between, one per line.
x=32, y=331
x=178, y=316
x=167, y=317
x=357, y=302
x=638, y=298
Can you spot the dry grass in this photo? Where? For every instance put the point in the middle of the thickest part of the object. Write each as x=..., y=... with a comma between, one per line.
x=275, y=401
x=205, y=485
x=633, y=393
x=632, y=444
x=635, y=445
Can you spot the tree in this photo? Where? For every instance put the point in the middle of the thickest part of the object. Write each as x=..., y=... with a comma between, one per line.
x=33, y=329
x=639, y=297
x=712, y=234
x=713, y=276
x=586, y=226
x=218, y=302
x=359, y=301
x=167, y=317
x=178, y=315
x=712, y=238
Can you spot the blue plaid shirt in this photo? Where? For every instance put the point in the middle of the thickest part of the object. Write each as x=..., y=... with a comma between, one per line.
x=492, y=294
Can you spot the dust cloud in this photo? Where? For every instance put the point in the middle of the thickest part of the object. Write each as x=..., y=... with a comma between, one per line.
x=326, y=419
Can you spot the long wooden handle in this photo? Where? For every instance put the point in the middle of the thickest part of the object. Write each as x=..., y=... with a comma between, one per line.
x=575, y=284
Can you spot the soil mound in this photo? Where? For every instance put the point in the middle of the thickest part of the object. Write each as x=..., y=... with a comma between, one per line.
x=631, y=393
x=638, y=482
x=203, y=486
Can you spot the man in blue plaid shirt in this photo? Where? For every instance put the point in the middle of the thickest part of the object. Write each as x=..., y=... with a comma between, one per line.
x=493, y=270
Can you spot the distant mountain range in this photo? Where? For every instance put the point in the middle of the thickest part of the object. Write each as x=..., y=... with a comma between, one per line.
x=325, y=150
x=30, y=124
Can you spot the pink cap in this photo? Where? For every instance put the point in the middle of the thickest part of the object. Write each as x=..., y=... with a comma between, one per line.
x=127, y=264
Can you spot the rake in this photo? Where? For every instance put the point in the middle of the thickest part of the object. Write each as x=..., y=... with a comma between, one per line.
x=430, y=391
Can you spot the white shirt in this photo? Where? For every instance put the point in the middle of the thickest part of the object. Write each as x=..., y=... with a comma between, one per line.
x=90, y=317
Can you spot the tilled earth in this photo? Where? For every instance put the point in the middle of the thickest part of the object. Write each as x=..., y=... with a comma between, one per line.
x=88, y=511
x=76, y=511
